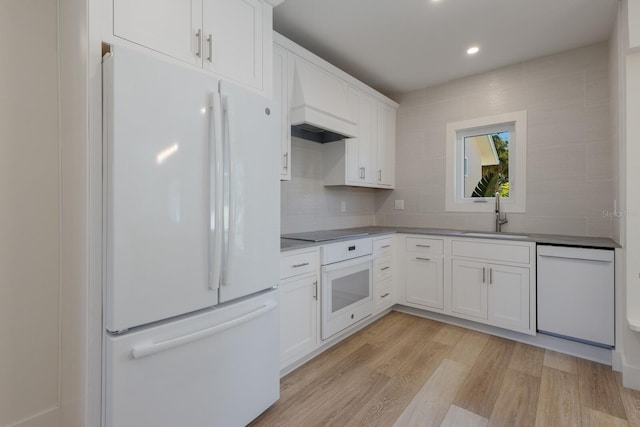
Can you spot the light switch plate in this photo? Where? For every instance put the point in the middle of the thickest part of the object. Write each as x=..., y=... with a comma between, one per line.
x=399, y=204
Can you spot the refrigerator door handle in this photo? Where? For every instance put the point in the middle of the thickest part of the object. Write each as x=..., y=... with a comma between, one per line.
x=151, y=348
x=228, y=144
x=216, y=189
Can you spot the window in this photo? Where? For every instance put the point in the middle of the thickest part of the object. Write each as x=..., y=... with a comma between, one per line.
x=485, y=156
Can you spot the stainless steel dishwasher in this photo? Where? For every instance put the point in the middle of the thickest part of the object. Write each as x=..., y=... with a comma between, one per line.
x=576, y=294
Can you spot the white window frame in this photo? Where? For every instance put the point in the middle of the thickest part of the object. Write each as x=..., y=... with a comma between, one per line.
x=456, y=132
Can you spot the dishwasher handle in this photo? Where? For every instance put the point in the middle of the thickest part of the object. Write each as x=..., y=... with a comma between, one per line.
x=578, y=253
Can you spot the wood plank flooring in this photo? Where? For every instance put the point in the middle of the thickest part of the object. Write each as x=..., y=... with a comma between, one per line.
x=408, y=371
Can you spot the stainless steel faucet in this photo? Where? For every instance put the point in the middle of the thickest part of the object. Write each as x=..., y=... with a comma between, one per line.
x=500, y=220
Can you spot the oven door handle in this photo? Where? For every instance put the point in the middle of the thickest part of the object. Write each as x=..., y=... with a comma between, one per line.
x=348, y=263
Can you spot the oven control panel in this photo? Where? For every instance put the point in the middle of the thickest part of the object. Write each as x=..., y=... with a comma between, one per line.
x=343, y=251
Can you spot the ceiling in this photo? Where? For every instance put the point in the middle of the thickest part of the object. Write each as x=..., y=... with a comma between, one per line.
x=397, y=46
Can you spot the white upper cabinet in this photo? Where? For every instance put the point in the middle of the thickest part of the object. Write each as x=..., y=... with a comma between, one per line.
x=166, y=26
x=386, y=145
x=369, y=159
x=361, y=151
x=233, y=35
x=281, y=94
x=327, y=98
x=232, y=38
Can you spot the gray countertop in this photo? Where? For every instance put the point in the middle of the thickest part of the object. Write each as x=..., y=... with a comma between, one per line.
x=376, y=231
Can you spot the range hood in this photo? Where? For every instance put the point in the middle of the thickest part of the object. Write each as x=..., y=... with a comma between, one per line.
x=320, y=109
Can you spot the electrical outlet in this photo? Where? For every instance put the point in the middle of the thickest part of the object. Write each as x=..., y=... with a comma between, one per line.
x=343, y=206
x=399, y=204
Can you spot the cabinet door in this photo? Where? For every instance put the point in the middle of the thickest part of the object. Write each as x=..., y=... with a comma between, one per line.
x=167, y=26
x=424, y=281
x=281, y=94
x=298, y=318
x=508, y=296
x=469, y=288
x=233, y=37
x=386, y=158
x=361, y=151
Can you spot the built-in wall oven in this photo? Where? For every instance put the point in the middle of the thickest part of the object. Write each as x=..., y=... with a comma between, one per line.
x=347, y=293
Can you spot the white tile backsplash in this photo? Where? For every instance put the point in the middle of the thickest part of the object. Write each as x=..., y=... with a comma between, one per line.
x=570, y=173
x=308, y=205
x=570, y=166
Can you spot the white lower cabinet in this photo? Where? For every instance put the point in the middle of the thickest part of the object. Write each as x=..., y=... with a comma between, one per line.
x=509, y=289
x=299, y=304
x=424, y=283
x=493, y=293
x=469, y=289
x=384, y=295
x=423, y=264
x=488, y=281
x=298, y=318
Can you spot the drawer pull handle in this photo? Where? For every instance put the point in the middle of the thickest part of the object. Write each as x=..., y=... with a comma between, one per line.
x=385, y=246
x=300, y=265
x=385, y=268
x=385, y=295
x=423, y=246
x=315, y=290
x=423, y=259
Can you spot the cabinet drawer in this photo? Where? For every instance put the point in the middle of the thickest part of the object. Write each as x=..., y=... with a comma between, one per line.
x=384, y=292
x=296, y=264
x=419, y=244
x=382, y=269
x=382, y=247
x=497, y=251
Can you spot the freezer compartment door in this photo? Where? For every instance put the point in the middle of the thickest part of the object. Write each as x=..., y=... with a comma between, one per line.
x=251, y=140
x=219, y=368
x=158, y=146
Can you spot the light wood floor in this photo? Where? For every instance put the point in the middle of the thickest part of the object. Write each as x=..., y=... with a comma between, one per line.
x=404, y=370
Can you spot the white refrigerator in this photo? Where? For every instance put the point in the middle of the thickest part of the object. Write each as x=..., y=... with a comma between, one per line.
x=192, y=202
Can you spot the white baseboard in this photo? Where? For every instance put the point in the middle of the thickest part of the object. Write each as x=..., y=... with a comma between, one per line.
x=630, y=375
x=584, y=351
x=616, y=361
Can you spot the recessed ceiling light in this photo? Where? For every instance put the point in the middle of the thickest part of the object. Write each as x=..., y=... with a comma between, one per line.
x=473, y=50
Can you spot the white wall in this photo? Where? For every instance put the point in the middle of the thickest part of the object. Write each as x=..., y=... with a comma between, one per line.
x=30, y=215
x=80, y=100
x=570, y=175
x=50, y=316
x=306, y=204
